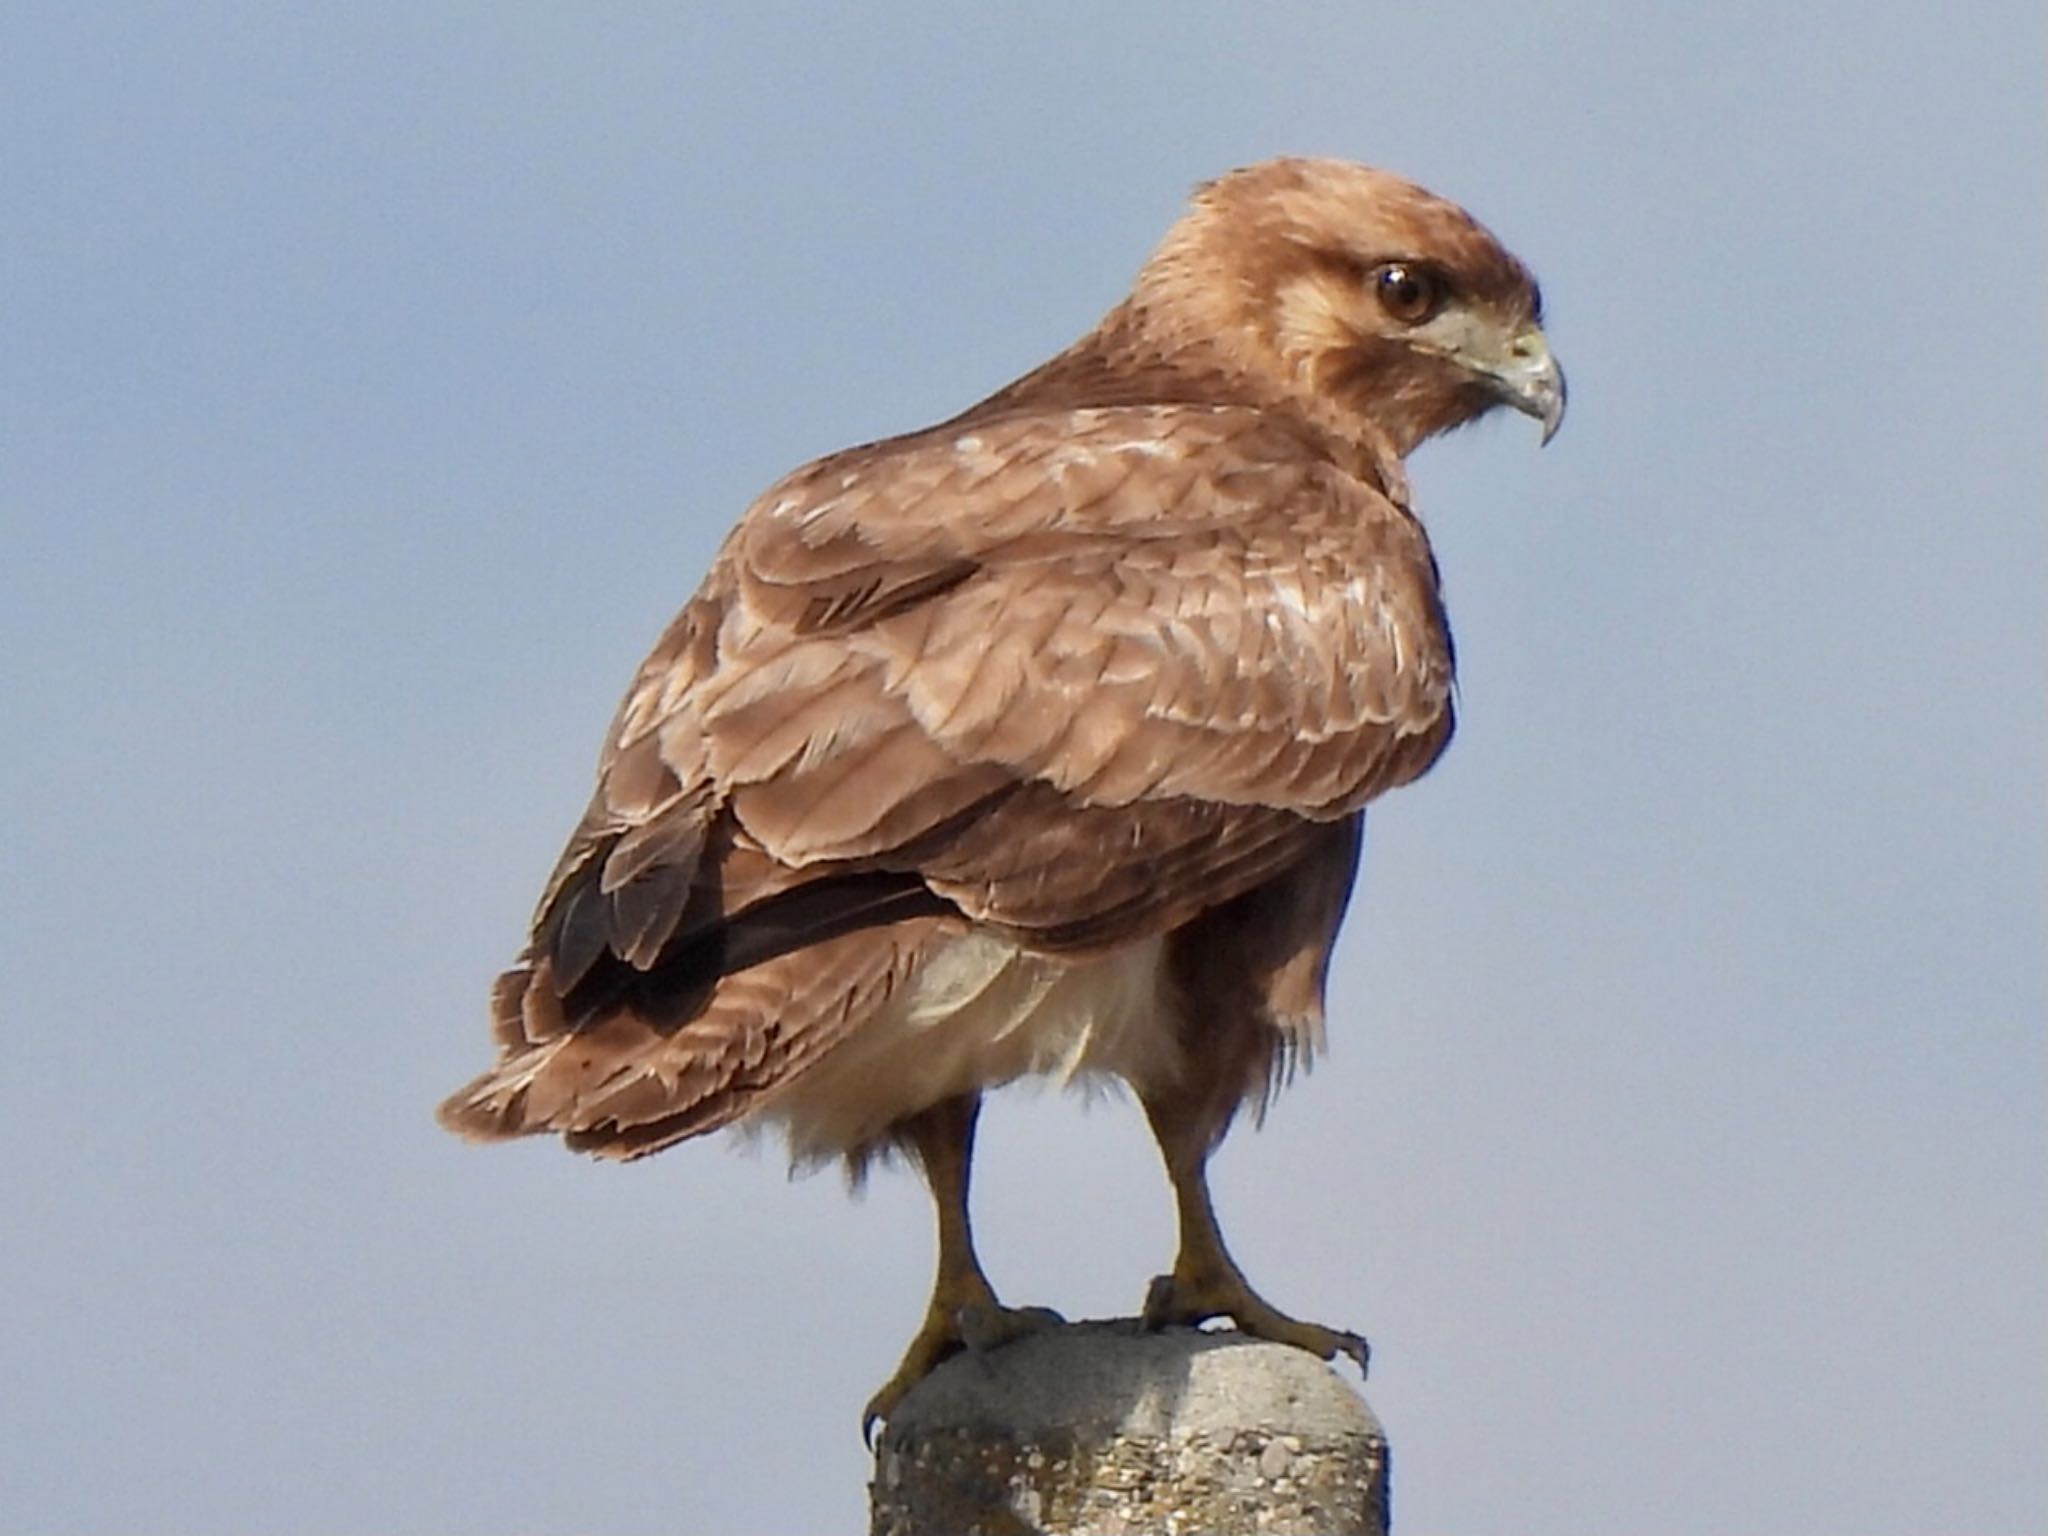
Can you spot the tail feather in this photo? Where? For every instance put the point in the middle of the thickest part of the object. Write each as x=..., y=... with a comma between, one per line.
x=620, y=1087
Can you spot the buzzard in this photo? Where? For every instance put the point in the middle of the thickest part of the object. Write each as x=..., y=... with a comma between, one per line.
x=1040, y=740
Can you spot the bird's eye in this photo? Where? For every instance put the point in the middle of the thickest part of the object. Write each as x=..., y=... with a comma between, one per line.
x=1409, y=294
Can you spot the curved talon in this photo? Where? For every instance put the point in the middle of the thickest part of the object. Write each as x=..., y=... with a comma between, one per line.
x=1153, y=1316
x=982, y=1327
x=1356, y=1346
x=1171, y=1300
x=976, y=1327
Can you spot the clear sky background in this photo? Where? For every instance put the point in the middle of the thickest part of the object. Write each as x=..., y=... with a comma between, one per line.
x=375, y=381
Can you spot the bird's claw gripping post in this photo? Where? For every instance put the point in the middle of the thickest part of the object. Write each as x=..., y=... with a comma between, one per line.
x=1171, y=1301
x=975, y=1327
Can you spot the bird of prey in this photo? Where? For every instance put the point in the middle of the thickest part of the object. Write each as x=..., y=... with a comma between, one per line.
x=1040, y=740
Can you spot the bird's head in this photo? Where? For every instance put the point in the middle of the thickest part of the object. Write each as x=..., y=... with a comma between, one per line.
x=1378, y=307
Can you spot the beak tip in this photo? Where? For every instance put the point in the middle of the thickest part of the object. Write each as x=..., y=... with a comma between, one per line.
x=1532, y=382
x=1553, y=407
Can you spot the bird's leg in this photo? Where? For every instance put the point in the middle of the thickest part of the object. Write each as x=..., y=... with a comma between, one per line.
x=1206, y=1281
x=964, y=1312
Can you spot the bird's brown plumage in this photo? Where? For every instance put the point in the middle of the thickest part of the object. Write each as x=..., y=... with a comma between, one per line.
x=1056, y=719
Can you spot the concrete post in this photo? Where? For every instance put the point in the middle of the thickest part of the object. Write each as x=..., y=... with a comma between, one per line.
x=1098, y=1428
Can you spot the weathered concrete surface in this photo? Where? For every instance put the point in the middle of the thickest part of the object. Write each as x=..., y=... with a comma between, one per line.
x=1099, y=1428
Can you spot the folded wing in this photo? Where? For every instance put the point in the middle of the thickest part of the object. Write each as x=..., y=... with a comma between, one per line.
x=1076, y=677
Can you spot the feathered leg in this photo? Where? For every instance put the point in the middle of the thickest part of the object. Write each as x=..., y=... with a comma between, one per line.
x=1249, y=979
x=964, y=1312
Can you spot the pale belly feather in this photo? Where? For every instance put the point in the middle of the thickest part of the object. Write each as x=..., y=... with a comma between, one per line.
x=978, y=1012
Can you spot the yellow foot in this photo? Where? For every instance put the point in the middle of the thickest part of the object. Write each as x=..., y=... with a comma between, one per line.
x=975, y=1327
x=1176, y=1300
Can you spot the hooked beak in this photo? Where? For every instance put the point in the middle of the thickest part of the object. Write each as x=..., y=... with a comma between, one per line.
x=1530, y=380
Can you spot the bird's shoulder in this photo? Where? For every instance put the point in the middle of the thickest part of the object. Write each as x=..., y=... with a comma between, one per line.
x=1208, y=567
x=984, y=485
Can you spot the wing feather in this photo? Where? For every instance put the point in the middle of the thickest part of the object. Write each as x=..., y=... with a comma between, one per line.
x=1079, y=676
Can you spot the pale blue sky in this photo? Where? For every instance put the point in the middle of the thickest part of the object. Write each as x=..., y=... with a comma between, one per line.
x=374, y=383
